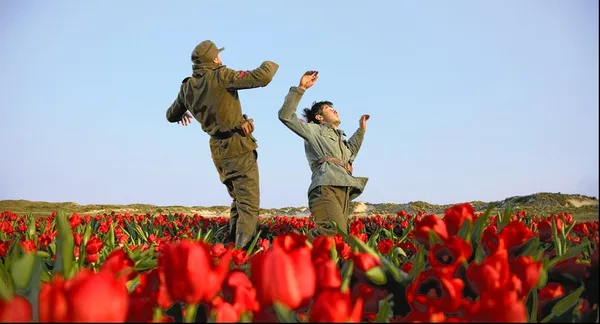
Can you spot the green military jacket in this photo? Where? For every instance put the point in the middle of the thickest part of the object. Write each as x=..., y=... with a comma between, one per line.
x=322, y=140
x=211, y=96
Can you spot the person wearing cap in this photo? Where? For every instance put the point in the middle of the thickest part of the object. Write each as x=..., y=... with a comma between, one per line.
x=210, y=94
x=330, y=157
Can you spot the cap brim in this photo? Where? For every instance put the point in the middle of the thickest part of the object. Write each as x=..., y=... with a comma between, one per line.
x=221, y=49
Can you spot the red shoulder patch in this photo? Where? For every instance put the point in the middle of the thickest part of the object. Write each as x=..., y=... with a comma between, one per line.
x=241, y=74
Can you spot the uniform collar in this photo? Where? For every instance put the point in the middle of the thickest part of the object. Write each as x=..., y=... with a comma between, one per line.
x=339, y=131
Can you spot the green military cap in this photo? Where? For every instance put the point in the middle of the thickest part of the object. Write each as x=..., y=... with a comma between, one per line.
x=206, y=52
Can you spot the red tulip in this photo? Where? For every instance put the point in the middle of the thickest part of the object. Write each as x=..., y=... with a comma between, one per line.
x=322, y=246
x=224, y=312
x=437, y=289
x=93, y=246
x=504, y=307
x=288, y=278
x=450, y=254
x=218, y=250
x=528, y=272
x=119, y=263
x=70, y=301
x=455, y=216
x=328, y=275
x=492, y=276
x=191, y=276
x=240, y=257
x=365, y=261
x=385, y=246
x=515, y=234
x=335, y=306
x=430, y=223
x=17, y=309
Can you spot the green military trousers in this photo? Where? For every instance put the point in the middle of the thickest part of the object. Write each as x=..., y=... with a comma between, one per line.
x=329, y=203
x=240, y=175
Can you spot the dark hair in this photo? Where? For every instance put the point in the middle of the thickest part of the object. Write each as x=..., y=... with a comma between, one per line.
x=316, y=109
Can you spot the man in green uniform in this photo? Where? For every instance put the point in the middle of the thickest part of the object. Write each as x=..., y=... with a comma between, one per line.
x=329, y=155
x=211, y=96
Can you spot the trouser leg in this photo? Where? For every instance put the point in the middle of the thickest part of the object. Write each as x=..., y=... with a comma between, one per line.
x=329, y=203
x=240, y=175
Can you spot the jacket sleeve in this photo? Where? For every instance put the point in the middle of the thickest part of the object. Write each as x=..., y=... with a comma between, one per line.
x=355, y=142
x=287, y=114
x=177, y=108
x=259, y=77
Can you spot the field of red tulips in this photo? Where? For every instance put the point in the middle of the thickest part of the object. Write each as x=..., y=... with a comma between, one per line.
x=462, y=267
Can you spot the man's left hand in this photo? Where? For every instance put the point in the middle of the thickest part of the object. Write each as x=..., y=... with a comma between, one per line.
x=186, y=119
x=363, y=121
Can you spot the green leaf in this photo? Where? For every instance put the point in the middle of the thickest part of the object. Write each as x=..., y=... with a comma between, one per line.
x=543, y=278
x=568, y=230
x=385, y=310
x=373, y=240
x=388, y=233
x=86, y=233
x=207, y=236
x=254, y=242
x=480, y=224
x=347, y=270
x=506, y=218
x=419, y=263
x=334, y=254
x=65, y=246
x=405, y=234
x=284, y=313
x=6, y=292
x=52, y=247
x=31, y=229
x=479, y=254
x=190, y=313
x=465, y=230
x=43, y=254
x=199, y=235
x=434, y=238
x=532, y=305
x=530, y=247
x=400, y=251
x=339, y=230
x=566, y=304
x=31, y=290
x=557, y=241
x=22, y=270
x=573, y=252
x=362, y=246
x=146, y=265
x=111, y=236
x=377, y=275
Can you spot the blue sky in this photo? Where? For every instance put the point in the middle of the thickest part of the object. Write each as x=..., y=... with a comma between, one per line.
x=469, y=100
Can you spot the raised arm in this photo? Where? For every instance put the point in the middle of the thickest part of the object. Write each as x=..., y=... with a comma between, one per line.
x=355, y=141
x=259, y=77
x=287, y=113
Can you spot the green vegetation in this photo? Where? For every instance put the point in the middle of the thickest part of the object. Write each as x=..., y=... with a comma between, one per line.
x=582, y=207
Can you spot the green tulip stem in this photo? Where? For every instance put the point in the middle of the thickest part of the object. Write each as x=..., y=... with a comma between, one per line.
x=190, y=313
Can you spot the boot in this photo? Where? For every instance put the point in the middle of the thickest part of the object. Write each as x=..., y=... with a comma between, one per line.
x=242, y=240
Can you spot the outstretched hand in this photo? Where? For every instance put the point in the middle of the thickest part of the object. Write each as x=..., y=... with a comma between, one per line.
x=308, y=79
x=186, y=119
x=363, y=121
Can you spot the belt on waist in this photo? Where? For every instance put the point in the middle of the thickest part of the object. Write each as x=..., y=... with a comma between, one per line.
x=231, y=132
x=334, y=160
x=223, y=135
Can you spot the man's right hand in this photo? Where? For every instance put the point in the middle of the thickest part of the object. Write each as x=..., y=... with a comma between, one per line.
x=247, y=127
x=308, y=79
